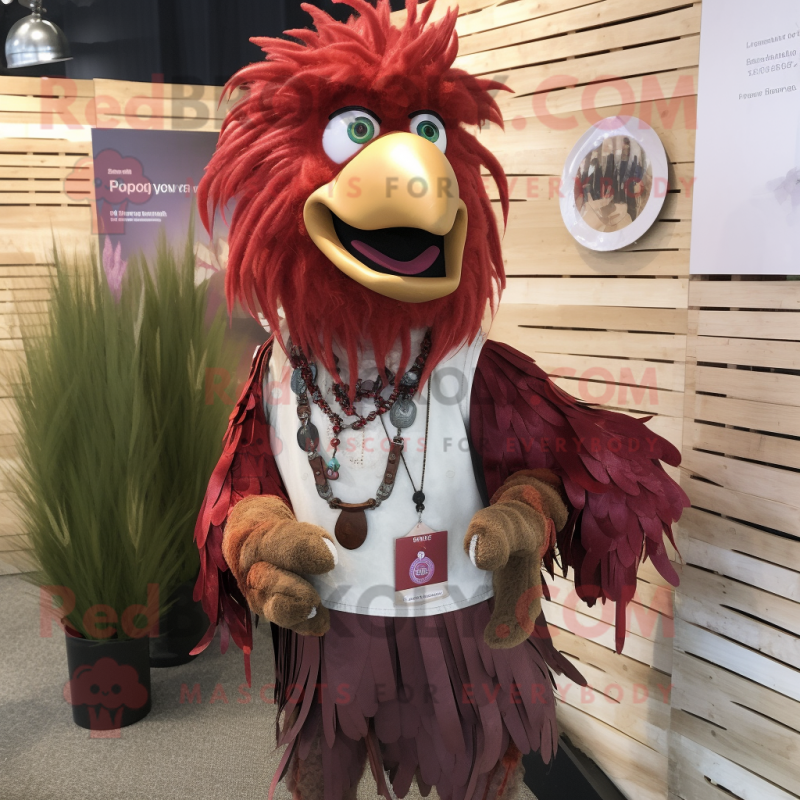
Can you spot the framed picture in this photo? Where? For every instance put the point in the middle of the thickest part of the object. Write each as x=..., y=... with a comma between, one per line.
x=614, y=183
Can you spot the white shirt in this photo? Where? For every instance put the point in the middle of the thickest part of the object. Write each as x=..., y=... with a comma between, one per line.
x=363, y=580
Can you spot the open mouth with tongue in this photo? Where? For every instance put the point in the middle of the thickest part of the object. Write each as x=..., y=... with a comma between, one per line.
x=394, y=251
x=392, y=219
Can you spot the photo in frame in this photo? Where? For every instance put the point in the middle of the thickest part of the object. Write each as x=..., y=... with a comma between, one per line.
x=614, y=183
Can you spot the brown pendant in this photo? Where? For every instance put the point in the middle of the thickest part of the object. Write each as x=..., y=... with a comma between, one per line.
x=351, y=528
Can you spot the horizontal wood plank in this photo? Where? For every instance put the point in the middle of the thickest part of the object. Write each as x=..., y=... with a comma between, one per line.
x=750, y=324
x=699, y=773
x=764, y=549
x=723, y=596
x=589, y=316
x=534, y=146
x=746, y=414
x=747, y=352
x=651, y=58
x=497, y=16
x=600, y=343
x=744, y=444
x=683, y=22
x=660, y=95
x=774, y=388
x=761, y=741
x=776, y=295
x=748, y=508
x=736, y=657
x=759, y=480
x=638, y=293
x=569, y=21
x=46, y=87
x=629, y=372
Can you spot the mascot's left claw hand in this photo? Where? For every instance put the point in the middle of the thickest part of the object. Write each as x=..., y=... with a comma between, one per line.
x=509, y=538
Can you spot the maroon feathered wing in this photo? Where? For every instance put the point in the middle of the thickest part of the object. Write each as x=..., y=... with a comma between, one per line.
x=622, y=501
x=247, y=467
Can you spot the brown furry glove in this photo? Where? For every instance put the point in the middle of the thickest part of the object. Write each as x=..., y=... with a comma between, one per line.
x=509, y=538
x=267, y=550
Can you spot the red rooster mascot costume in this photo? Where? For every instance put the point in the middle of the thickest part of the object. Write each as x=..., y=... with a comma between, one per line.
x=392, y=483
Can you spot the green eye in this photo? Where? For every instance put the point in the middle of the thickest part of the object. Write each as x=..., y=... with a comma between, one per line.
x=428, y=130
x=348, y=130
x=361, y=130
x=428, y=125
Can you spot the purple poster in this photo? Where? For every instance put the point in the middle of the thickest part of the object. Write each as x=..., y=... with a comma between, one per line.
x=146, y=183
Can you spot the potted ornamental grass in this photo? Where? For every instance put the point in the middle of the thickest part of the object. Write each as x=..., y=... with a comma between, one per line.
x=115, y=445
x=181, y=344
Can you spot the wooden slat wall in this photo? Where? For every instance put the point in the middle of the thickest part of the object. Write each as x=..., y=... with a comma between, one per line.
x=23, y=288
x=736, y=696
x=611, y=328
x=731, y=399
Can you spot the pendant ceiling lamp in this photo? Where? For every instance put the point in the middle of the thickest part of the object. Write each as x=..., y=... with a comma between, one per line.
x=33, y=41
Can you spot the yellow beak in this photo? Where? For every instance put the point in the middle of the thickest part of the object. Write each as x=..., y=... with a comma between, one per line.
x=399, y=195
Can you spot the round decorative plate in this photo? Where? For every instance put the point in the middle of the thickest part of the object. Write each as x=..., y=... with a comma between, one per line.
x=614, y=183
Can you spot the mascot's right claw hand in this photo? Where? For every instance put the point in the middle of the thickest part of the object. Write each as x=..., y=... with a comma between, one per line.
x=267, y=550
x=509, y=537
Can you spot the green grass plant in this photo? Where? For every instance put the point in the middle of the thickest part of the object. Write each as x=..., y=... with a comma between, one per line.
x=116, y=438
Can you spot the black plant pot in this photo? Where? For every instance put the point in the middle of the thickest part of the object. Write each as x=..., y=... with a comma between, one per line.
x=180, y=627
x=109, y=685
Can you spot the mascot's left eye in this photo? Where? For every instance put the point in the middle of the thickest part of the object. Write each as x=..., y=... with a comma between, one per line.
x=430, y=126
x=347, y=131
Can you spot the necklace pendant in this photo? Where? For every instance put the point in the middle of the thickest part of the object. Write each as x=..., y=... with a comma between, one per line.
x=298, y=383
x=403, y=413
x=351, y=528
x=308, y=437
x=332, y=470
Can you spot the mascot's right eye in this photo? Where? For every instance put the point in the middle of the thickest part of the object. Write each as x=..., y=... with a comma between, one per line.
x=347, y=131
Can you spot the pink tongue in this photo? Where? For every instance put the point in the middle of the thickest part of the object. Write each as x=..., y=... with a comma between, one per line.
x=413, y=267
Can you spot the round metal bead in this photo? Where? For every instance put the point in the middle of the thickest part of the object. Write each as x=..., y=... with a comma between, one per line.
x=418, y=498
x=403, y=413
x=411, y=378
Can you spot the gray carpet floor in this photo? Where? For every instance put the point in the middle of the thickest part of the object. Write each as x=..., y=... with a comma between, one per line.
x=181, y=751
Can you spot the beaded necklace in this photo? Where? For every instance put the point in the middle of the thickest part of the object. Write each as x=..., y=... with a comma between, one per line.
x=351, y=526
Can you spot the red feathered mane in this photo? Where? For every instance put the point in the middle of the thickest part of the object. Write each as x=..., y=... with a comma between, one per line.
x=269, y=159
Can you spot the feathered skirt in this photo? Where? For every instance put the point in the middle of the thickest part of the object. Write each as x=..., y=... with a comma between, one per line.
x=423, y=696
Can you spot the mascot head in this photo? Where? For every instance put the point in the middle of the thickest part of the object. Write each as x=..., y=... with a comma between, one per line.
x=360, y=206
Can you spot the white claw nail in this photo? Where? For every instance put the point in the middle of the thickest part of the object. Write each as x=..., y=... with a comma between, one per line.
x=312, y=614
x=473, y=546
x=332, y=548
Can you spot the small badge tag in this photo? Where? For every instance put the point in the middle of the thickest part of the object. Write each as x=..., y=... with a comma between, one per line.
x=420, y=566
